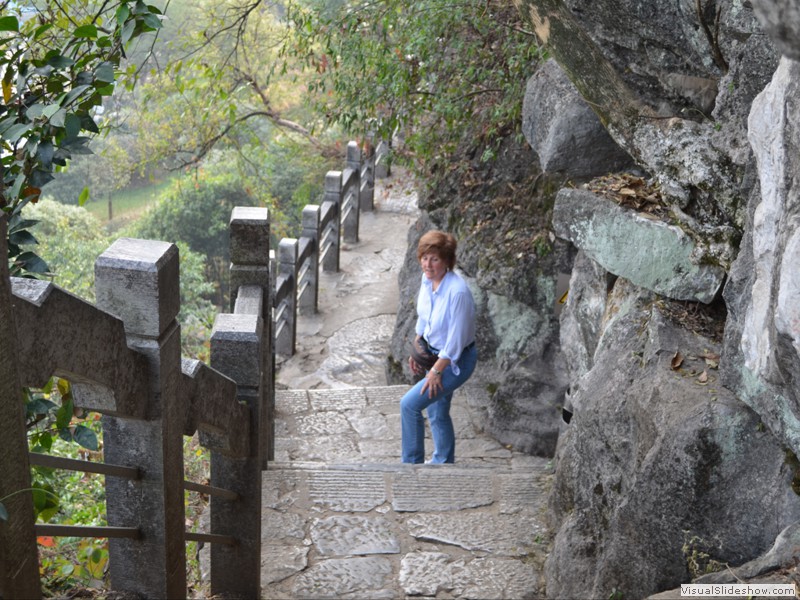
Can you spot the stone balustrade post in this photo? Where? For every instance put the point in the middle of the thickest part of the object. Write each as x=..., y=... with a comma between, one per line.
x=352, y=181
x=251, y=266
x=249, y=248
x=367, y=193
x=137, y=281
x=19, y=561
x=287, y=258
x=311, y=219
x=382, y=166
x=237, y=352
x=333, y=193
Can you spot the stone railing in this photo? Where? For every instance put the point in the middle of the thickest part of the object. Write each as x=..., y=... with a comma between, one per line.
x=337, y=218
x=122, y=358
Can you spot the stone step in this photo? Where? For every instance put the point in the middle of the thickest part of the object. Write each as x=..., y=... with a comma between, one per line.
x=361, y=398
x=383, y=531
x=358, y=425
x=407, y=488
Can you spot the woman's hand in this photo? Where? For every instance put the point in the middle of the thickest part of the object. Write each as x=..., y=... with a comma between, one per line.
x=414, y=366
x=433, y=383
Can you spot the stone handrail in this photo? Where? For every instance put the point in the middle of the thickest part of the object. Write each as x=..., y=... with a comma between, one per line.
x=347, y=193
x=122, y=358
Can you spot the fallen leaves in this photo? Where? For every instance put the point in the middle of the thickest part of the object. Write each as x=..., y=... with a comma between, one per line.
x=708, y=360
x=630, y=191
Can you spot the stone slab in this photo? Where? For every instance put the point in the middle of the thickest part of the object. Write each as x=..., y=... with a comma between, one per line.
x=370, y=426
x=279, y=489
x=381, y=450
x=326, y=449
x=498, y=579
x=291, y=402
x=385, y=396
x=478, y=532
x=339, y=399
x=425, y=573
x=347, y=491
x=367, y=577
x=440, y=489
x=322, y=423
x=281, y=526
x=279, y=562
x=613, y=236
x=480, y=448
x=521, y=491
x=352, y=535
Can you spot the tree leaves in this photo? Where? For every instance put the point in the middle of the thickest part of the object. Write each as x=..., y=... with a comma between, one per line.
x=9, y=23
x=430, y=67
x=57, y=67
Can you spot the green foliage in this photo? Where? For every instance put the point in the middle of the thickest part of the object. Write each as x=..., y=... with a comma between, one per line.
x=427, y=68
x=68, y=563
x=57, y=67
x=93, y=177
x=196, y=209
x=70, y=239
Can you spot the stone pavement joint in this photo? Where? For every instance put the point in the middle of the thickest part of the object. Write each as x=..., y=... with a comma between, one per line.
x=342, y=517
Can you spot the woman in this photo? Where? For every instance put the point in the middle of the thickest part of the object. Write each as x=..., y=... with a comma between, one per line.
x=446, y=322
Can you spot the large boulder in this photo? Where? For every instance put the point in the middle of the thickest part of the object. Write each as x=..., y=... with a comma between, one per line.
x=762, y=343
x=649, y=252
x=661, y=472
x=665, y=49
x=562, y=129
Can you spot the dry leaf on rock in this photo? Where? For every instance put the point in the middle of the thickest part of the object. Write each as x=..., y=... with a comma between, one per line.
x=677, y=361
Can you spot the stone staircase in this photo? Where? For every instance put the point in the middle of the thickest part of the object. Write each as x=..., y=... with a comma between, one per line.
x=343, y=518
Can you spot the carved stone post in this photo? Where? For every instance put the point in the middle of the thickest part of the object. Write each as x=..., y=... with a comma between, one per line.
x=367, y=194
x=249, y=247
x=287, y=257
x=351, y=180
x=382, y=167
x=137, y=281
x=333, y=194
x=236, y=351
x=309, y=300
x=19, y=563
x=250, y=266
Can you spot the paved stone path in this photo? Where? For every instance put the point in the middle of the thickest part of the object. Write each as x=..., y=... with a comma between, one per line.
x=342, y=518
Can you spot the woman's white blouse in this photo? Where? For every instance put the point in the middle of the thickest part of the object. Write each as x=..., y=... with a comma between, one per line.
x=446, y=317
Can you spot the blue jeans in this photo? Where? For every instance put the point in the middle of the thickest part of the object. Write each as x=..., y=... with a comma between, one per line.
x=412, y=422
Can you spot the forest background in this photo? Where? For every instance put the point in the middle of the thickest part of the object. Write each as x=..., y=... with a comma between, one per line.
x=211, y=105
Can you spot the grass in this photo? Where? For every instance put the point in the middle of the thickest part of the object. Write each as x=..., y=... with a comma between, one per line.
x=127, y=205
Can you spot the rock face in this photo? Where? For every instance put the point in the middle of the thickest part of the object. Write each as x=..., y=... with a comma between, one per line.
x=763, y=341
x=616, y=237
x=660, y=463
x=563, y=130
x=684, y=401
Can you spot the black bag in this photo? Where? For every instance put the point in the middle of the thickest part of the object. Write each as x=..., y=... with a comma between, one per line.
x=421, y=354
